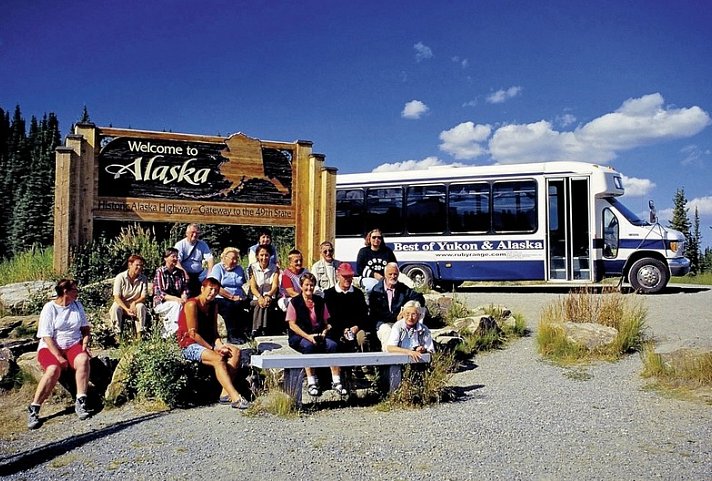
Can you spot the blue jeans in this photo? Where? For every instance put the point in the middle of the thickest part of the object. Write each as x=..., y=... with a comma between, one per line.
x=302, y=345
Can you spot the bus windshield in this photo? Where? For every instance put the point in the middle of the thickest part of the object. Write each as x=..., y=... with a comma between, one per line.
x=625, y=212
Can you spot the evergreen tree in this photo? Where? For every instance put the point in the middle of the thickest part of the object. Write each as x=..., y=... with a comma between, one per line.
x=693, y=248
x=85, y=115
x=33, y=214
x=706, y=263
x=4, y=161
x=680, y=220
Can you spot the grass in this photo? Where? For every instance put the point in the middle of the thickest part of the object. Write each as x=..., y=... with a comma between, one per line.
x=704, y=279
x=609, y=308
x=272, y=399
x=422, y=385
x=32, y=265
x=684, y=374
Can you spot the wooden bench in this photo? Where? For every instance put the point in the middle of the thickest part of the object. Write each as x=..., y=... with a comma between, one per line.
x=294, y=364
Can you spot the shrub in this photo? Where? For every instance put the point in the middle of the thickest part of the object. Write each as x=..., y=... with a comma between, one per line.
x=102, y=258
x=683, y=372
x=422, y=385
x=610, y=308
x=33, y=264
x=158, y=372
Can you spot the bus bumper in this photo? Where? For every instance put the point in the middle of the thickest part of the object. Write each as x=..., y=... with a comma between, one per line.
x=679, y=266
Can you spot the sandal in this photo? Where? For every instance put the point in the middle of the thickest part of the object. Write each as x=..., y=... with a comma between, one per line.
x=313, y=390
x=242, y=403
x=336, y=386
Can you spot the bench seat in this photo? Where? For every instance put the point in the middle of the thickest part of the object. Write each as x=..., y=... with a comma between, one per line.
x=294, y=364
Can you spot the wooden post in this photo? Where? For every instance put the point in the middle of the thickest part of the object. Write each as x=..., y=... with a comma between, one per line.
x=65, y=157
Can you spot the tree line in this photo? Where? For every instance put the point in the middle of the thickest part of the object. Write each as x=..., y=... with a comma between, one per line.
x=27, y=168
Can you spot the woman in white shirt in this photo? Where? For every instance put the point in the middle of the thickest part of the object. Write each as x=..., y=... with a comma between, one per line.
x=64, y=334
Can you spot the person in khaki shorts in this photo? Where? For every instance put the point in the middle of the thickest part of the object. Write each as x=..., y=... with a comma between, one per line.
x=130, y=292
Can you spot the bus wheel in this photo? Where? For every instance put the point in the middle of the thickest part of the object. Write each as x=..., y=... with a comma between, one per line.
x=420, y=275
x=648, y=275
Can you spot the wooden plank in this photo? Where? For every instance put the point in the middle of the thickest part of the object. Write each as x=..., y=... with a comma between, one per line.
x=291, y=361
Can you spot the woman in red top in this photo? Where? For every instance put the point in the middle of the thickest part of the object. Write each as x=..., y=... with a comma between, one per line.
x=198, y=337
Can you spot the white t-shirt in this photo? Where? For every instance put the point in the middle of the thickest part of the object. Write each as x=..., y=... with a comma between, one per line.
x=62, y=323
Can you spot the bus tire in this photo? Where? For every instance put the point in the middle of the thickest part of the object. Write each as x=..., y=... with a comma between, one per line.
x=420, y=275
x=648, y=275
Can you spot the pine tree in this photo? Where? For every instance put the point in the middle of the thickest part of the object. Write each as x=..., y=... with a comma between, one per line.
x=32, y=222
x=680, y=220
x=5, y=193
x=693, y=247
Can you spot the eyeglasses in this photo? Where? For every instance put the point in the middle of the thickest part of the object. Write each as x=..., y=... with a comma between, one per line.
x=377, y=237
x=327, y=251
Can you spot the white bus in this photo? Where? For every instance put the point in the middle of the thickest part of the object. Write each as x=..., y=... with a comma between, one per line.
x=551, y=222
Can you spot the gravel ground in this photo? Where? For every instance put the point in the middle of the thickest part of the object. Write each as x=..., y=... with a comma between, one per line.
x=520, y=418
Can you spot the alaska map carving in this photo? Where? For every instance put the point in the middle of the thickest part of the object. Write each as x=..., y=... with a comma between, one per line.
x=245, y=163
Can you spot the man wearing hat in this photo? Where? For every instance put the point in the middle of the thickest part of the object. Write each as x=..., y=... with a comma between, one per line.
x=349, y=312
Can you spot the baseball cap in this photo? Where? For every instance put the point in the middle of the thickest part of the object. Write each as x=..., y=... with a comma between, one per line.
x=345, y=270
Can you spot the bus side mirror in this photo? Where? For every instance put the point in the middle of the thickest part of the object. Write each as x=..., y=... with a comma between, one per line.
x=652, y=215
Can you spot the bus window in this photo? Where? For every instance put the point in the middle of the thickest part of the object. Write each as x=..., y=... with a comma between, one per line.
x=469, y=207
x=610, y=234
x=514, y=206
x=350, y=210
x=385, y=209
x=425, y=209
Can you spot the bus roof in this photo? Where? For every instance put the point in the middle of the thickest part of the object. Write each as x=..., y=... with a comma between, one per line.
x=454, y=173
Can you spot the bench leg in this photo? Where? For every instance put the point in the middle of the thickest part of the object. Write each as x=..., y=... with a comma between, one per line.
x=395, y=374
x=293, y=380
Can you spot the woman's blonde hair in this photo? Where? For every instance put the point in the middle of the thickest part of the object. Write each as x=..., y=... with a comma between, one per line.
x=227, y=250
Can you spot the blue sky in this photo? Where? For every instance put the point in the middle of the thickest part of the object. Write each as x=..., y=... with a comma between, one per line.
x=390, y=85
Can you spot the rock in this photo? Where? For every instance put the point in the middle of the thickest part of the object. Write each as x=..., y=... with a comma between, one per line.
x=496, y=310
x=116, y=392
x=589, y=335
x=448, y=343
x=18, y=326
x=21, y=346
x=7, y=364
x=14, y=296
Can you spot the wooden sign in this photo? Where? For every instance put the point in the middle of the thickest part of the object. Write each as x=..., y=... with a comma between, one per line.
x=132, y=175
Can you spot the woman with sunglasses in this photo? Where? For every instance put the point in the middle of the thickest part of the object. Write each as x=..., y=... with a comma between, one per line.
x=325, y=268
x=372, y=259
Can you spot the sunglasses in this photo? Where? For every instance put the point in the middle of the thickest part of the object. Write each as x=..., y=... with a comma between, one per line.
x=377, y=237
x=328, y=251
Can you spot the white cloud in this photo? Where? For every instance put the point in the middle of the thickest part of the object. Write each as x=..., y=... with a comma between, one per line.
x=464, y=140
x=414, y=109
x=470, y=103
x=422, y=52
x=637, y=122
x=464, y=63
x=693, y=155
x=635, y=187
x=426, y=163
x=703, y=204
x=565, y=120
x=503, y=95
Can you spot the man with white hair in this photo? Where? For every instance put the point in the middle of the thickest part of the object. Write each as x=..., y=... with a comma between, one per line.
x=386, y=300
x=191, y=253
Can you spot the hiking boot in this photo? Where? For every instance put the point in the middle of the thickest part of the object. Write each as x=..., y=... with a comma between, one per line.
x=80, y=407
x=33, y=417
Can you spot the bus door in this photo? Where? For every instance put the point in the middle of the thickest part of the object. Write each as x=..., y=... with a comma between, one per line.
x=568, y=229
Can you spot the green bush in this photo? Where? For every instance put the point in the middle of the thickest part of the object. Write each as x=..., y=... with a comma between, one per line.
x=158, y=372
